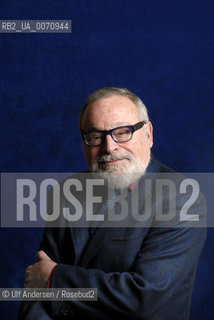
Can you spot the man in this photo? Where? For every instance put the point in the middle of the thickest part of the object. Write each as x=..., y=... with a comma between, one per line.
x=140, y=272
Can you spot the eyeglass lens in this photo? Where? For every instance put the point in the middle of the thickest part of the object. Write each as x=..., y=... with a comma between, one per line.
x=96, y=138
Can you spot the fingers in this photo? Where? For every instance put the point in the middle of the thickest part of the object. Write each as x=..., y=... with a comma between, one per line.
x=27, y=271
x=42, y=255
x=36, y=275
x=27, y=283
x=28, y=268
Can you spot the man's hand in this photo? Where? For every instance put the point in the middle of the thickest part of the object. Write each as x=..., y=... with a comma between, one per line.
x=36, y=276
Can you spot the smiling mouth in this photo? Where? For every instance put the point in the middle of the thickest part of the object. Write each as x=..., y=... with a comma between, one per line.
x=112, y=162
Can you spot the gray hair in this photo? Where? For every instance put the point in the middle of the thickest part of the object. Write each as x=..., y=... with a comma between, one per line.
x=112, y=91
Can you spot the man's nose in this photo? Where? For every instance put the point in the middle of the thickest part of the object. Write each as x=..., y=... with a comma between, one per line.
x=109, y=144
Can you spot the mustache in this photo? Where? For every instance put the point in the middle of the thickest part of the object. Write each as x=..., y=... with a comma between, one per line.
x=111, y=157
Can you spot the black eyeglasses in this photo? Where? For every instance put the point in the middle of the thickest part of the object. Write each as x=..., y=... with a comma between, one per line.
x=95, y=138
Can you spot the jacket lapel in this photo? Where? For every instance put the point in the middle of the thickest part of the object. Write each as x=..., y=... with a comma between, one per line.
x=99, y=237
x=102, y=234
x=94, y=245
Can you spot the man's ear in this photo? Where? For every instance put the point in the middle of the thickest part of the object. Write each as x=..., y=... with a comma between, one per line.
x=149, y=133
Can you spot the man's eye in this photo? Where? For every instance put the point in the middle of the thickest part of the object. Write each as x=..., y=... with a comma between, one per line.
x=94, y=137
x=122, y=132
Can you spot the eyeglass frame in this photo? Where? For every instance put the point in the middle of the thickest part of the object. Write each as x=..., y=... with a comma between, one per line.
x=132, y=128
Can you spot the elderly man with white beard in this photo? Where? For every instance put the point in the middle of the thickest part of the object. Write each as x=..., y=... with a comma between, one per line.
x=140, y=272
x=110, y=123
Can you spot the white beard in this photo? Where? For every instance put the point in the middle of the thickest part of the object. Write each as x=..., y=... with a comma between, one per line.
x=122, y=175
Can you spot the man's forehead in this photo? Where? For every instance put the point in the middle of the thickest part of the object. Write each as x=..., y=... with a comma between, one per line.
x=113, y=125
x=115, y=110
x=113, y=99
x=112, y=104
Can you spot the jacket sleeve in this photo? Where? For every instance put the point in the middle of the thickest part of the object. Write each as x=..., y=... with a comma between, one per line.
x=158, y=286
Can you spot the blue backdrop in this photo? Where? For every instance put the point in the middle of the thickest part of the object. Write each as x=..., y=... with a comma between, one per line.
x=160, y=49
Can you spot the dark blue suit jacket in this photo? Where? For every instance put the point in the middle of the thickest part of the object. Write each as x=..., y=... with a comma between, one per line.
x=140, y=272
